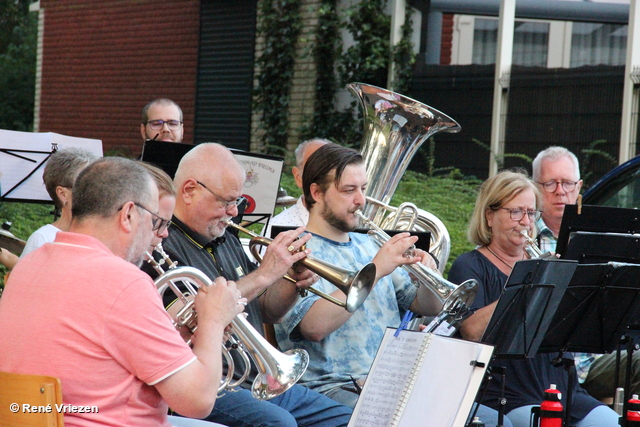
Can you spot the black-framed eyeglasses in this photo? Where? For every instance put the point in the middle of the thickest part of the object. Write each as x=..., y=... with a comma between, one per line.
x=159, y=124
x=516, y=214
x=552, y=186
x=225, y=203
x=158, y=223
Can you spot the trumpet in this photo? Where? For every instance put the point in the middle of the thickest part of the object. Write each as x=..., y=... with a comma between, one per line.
x=532, y=249
x=355, y=285
x=455, y=299
x=277, y=372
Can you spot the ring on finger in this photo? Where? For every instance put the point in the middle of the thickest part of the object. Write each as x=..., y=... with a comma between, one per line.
x=291, y=248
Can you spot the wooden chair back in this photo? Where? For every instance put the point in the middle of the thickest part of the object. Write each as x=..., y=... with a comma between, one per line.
x=39, y=392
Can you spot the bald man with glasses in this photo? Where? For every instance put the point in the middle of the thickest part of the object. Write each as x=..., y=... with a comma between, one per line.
x=162, y=120
x=210, y=183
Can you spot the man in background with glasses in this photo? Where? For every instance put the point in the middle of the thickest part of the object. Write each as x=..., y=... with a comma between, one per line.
x=162, y=121
x=556, y=171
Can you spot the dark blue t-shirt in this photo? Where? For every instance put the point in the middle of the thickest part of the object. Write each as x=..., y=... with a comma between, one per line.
x=526, y=379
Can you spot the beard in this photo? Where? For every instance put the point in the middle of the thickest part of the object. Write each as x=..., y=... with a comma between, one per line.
x=333, y=220
x=139, y=247
x=217, y=227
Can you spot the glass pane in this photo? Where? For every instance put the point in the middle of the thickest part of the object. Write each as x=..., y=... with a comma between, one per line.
x=530, y=42
x=595, y=44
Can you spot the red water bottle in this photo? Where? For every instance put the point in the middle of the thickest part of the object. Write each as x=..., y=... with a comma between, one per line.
x=633, y=412
x=551, y=408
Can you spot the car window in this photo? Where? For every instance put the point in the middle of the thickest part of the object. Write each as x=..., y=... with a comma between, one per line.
x=623, y=191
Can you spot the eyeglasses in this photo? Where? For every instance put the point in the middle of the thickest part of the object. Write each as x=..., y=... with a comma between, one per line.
x=225, y=203
x=159, y=124
x=551, y=186
x=516, y=214
x=158, y=223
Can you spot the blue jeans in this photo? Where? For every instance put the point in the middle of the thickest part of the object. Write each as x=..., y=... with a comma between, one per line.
x=298, y=406
x=600, y=416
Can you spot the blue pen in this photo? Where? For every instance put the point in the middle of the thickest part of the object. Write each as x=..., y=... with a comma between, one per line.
x=408, y=315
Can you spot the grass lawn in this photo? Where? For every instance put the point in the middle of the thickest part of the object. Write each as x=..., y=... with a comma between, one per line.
x=451, y=200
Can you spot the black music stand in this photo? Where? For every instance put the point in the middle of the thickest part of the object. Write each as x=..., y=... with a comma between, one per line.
x=528, y=302
x=599, y=219
x=599, y=304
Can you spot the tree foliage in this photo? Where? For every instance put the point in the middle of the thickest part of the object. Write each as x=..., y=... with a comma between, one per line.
x=18, y=42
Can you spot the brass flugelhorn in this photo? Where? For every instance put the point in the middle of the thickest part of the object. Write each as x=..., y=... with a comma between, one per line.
x=455, y=299
x=355, y=285
x=277, y=372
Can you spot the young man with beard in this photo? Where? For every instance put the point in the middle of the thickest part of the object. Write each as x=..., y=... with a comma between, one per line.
x=342, y=345
x=86, y=314
x=210, y=184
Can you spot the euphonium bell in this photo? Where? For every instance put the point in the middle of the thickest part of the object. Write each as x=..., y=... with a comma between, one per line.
x=277, y=372
x=355, y=285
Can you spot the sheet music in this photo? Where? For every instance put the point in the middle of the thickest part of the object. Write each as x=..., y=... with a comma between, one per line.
x=388, y=378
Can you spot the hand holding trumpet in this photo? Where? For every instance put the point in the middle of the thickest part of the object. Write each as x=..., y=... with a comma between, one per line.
x=284, y=251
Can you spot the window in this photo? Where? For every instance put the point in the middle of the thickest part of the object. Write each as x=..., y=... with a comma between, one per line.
x=539, y=43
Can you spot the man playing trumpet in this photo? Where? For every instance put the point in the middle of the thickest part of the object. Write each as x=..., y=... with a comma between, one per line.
x=342, y=345
x=210, y=183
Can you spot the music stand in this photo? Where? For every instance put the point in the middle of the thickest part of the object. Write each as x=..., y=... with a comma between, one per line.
x=598, y=305
x=528, y=302
x=600, y=219
x=591, y=248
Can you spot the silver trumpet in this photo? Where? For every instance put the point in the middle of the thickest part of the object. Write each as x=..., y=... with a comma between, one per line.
x=455, y=299
x=355, y=285
x=277, y=372
x=532, y=249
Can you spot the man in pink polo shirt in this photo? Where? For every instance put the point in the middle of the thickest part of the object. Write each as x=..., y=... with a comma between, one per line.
x=81, y=310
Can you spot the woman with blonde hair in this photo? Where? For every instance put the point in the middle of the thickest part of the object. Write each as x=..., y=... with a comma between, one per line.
x=508, y=204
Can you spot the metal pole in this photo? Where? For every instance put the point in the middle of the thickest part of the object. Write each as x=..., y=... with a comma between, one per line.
x=398, y=15
x=630, y=97
x=504, y=57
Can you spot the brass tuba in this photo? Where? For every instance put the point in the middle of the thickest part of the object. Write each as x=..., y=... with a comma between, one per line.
x=277, y=372
x=355, y=285
x=395, y=126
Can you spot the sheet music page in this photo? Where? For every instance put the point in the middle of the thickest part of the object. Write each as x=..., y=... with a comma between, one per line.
x=447, y=383
x=388, y=378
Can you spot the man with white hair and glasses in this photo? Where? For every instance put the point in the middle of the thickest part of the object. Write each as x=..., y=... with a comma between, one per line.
x=557, y=173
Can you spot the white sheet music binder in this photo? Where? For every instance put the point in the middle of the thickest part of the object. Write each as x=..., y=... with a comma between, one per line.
x=420, y=379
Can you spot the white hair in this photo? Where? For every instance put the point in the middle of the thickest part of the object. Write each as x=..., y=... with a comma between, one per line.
x=553, y=153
